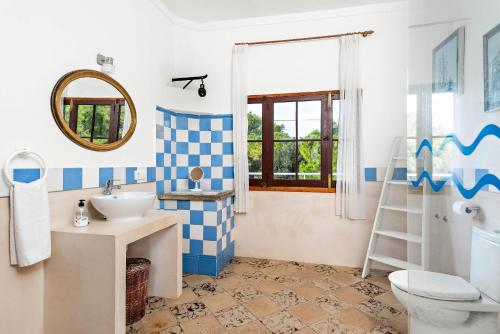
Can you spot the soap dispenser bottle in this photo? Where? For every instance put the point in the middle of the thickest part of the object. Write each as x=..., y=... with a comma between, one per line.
x=81, y=217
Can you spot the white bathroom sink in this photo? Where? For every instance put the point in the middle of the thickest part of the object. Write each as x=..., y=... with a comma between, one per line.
x=124, y=206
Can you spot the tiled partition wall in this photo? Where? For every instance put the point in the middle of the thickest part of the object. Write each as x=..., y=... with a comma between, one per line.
x=63, y=179
x=184, y=141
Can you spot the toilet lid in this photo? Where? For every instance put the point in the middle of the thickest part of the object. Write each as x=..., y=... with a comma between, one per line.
x=434, y=285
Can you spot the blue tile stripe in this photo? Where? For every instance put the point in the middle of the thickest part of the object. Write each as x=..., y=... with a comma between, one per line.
x=64, y=179
x=72, y=178
x=377, y=174
x=26, y=175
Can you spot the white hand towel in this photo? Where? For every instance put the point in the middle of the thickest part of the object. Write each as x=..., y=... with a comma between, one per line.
x=29, y=223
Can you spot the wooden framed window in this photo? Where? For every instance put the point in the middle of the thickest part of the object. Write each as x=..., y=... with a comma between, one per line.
x=98, y=120
x=292, y=139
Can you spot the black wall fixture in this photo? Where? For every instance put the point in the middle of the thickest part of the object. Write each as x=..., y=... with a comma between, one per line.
x=201, y=91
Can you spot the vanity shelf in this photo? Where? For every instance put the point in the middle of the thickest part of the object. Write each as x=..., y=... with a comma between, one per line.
x=85, y=277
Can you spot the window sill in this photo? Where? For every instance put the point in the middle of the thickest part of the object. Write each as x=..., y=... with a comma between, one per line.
x=294, y=189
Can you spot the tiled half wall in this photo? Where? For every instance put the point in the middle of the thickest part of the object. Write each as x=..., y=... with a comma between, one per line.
x=184, y=141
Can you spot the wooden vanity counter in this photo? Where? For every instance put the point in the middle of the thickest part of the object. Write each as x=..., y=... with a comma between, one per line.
x=84, y=279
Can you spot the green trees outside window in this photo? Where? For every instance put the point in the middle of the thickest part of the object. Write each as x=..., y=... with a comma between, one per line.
x=303, y=146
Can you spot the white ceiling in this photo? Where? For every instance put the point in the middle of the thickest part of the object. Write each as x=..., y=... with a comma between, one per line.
x=203, y=11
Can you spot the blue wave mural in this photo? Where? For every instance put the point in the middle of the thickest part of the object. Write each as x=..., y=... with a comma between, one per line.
x=435, y=185
x=488, y=130
x=485, y=180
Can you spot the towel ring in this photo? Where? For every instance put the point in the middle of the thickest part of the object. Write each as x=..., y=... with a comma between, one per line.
x=24, y=153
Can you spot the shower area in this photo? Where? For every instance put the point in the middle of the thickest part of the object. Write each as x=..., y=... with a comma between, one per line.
x=453, y=164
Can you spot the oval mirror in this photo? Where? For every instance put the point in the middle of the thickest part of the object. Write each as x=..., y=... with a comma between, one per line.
x=93, y=110
x=196, y=175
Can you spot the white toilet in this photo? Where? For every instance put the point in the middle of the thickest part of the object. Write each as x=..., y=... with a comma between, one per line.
x=439, y=303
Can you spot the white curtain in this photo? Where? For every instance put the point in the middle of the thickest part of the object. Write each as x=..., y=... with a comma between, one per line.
x=239, y=100
x=350, y=201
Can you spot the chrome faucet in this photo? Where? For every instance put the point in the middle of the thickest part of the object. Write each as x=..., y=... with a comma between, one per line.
x=109, y=187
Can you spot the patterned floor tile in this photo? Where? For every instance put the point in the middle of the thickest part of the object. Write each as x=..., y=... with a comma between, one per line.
x=383, y=329
x=235, y=316
x=254, y=276
x=255, y=327
x=268, y=286
x=368, y=288
x=231, y=282
x=305, y=330
x=377, y=309
x=157, y=321
x=349, y=295
x=288, y=280
x=330, y=303
x=219, y=302
x=203, y=325
x=262, y=306
x=189, y=311
x=356, y=272
x=308, y=290
x=262, y=263
x=308, y=313
x=381, y=281
x=286, y=298
x=225, y=274
x=282, y=322
x=186, y=296
x=333, y=326
x=259, y=296
x=344, y=278
x=325, y=269
x=326, y=283
x=354, y=318
x=389, y=299
x=155, y=303
x=194, y=280
x=207, y=289
x=245, y=294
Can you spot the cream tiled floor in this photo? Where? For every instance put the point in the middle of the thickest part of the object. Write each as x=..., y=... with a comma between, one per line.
x=266, y=296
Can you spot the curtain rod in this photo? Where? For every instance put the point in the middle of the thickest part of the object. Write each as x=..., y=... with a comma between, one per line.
x=363, y=33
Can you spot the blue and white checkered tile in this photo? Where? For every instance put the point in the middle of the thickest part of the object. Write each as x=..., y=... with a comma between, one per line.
x=208, y=234
x=63, y=179
x=189, y=141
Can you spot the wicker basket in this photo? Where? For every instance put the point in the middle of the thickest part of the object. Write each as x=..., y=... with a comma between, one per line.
x=137, y=288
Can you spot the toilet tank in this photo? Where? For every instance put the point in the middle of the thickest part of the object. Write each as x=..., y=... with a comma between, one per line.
x=485, y=262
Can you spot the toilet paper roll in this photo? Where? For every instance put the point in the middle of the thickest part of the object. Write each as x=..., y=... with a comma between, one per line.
x=465, y=208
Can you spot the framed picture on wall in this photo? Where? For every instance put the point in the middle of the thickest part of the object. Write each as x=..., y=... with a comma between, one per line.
x=448, y=64
x=491, y=55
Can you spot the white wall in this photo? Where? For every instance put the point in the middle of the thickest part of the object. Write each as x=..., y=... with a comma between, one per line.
x=310, y=66
x=301, y=226
x=43, y=40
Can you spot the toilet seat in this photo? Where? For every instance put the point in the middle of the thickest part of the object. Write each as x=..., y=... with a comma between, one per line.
x=434, y=285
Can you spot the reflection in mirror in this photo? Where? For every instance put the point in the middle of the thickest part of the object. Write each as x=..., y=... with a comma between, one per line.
x=93, y=110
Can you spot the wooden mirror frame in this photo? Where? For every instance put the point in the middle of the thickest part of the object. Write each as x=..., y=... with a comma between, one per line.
x=56, y=97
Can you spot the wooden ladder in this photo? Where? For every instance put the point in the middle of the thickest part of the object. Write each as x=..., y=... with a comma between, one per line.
x=378, y=232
